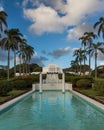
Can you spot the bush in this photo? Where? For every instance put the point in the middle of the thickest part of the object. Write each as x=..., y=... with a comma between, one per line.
x=99, y=86
x=20, y=84
x=74, y=79
x=5, y=87
x=84, y=83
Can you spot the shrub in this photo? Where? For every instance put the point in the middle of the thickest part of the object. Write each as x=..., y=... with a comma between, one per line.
x=5, y=87
x=84, y=83
x=99, y=86
x=20, y=84
x=74, y=79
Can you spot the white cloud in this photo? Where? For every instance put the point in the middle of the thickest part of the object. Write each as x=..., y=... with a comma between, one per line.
x=47, y=19
x=79, y=30
x=60, y=52
x=1, y=8
x=101, y=63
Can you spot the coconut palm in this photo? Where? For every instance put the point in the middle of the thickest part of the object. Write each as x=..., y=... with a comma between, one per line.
x=29, y=51
x=79, y=54
x=3, y=16
x=84, y=43
x=100, y=25
x=15, y=45
x=21, y=53
x=89, y=39
x=9, y=42
x=94, y=50
x=74, y=64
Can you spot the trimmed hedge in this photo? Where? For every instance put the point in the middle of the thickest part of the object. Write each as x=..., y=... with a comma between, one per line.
x=5, y=87
x=74, y=79
x=18, y=83
x=84, y=83
x=99, y=86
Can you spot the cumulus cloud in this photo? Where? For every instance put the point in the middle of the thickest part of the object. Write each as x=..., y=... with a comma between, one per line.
x=45, y=15
x=39, y=60
x=60, y=52
x=45, y=19
x=79, y=30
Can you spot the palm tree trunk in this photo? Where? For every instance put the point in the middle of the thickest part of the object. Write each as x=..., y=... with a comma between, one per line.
x=14, y=63
x=80, y=68
x=8, y=64
x=95, y=64
x=84, y=59
x=20, y=65
x=89, y=65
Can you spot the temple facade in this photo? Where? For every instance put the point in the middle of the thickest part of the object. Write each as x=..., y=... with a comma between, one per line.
x=52, y=68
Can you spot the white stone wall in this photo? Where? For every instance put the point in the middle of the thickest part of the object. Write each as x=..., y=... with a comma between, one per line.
x=52, y=86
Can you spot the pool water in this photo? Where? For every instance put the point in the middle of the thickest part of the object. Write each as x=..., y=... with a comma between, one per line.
x=52, y=110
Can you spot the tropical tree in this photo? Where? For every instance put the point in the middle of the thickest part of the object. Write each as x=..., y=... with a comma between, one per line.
x=79, y=56
x=21, y=54
x=100, y=25
x=9, y=42
x=84, y=43
x=15, y=45
x=29, y=51
x=74, y=64
x=94, y=51
x=89, y=39
x=3, y=16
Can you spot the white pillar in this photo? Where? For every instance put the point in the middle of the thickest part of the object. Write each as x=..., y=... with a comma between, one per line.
x=63, y=82
x=40, y=89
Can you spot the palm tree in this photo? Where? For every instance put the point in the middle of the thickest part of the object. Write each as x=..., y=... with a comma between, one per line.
x=89, y=39
x=84, y=43
x=15, y=45
x=21, y=53
x=100, y=25
x=8, y=43
x=79, y=54
x=74, y=64
x=94, y=50
x=29, y=51
x=3, y=16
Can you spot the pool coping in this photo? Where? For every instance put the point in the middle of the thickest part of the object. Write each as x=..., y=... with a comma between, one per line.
x=89, y=100
x=6, y=105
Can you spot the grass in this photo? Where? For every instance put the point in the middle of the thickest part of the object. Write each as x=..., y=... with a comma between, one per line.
x=12, y=94
x=92, y=94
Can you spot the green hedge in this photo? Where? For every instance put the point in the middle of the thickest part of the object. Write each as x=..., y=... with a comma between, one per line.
x=5, y=87
x=99, y=86
x=18, y=83
x=74, y=79
x=84, y=83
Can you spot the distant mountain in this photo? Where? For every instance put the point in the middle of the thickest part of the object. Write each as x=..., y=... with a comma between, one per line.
x=33, y=68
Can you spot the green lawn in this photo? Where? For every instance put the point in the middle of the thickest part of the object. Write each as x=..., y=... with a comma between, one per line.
x=12, y=94
x=92, y=93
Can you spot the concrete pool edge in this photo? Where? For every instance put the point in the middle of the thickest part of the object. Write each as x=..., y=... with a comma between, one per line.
x=6, y=105
x=90, y=100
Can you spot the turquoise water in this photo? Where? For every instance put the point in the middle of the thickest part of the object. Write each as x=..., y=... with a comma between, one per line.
x=52, y=110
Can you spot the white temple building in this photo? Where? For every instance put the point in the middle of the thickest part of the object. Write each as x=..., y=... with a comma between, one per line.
x=52, y=81
x=52, y=68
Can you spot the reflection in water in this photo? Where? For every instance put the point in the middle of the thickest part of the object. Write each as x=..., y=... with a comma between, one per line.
x=52, y=111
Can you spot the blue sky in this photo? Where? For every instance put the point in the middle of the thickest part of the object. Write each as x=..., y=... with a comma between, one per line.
x=53, y=27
